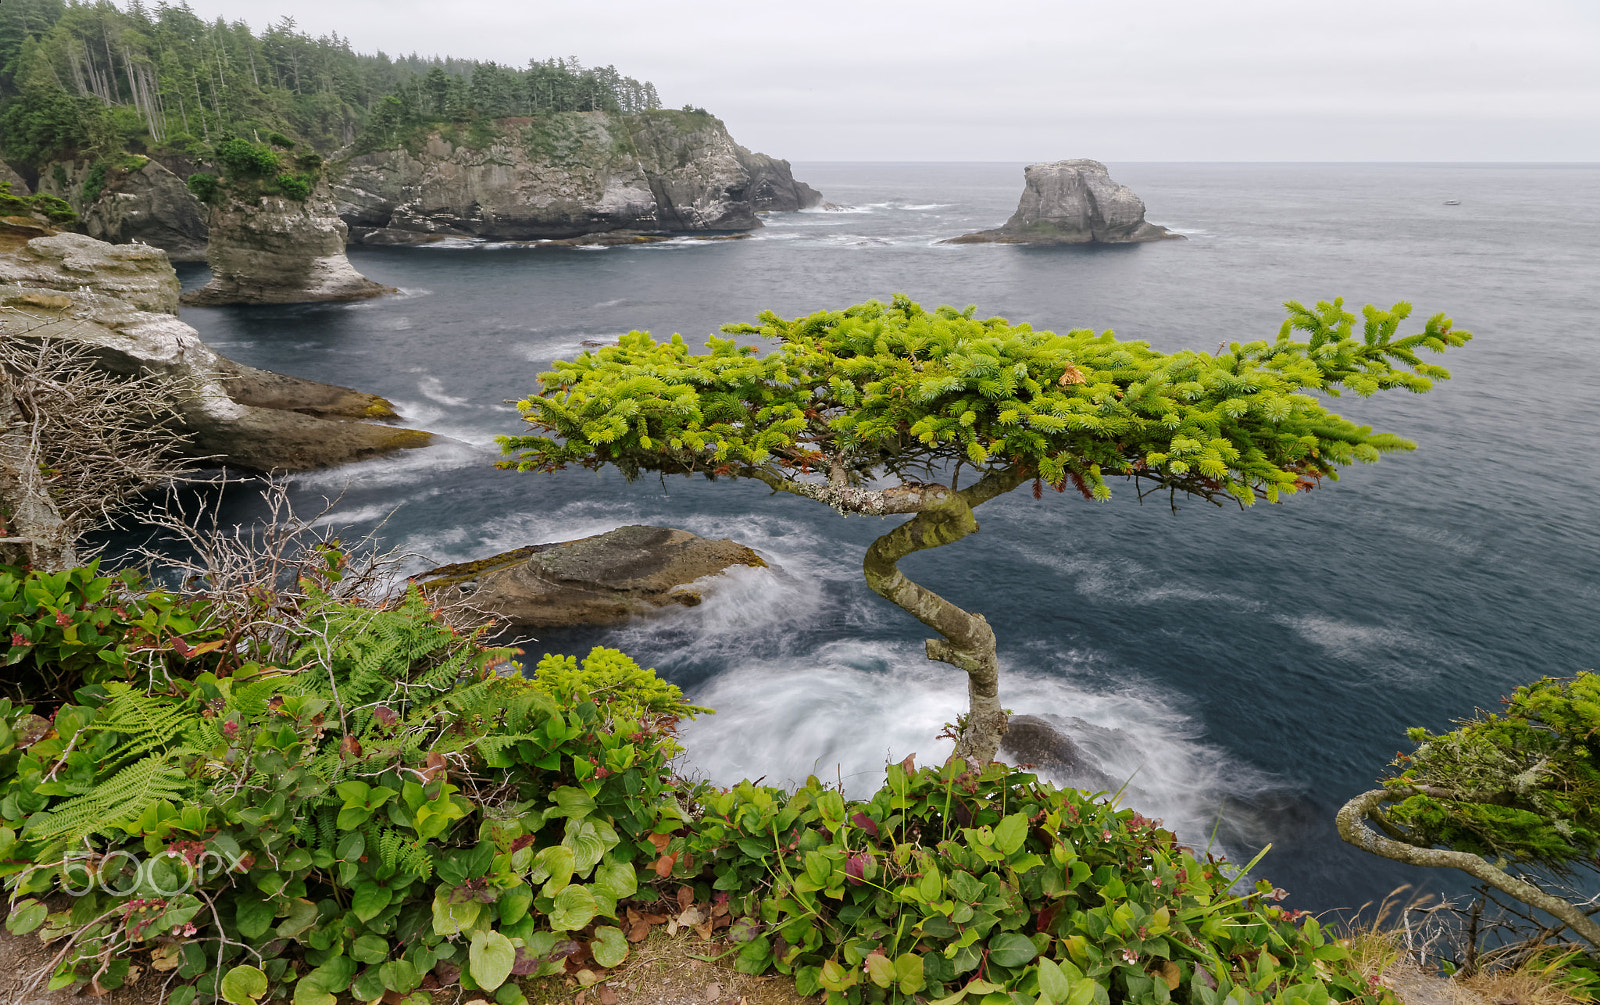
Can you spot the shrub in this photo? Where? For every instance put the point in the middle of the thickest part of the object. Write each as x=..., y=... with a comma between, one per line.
x=280, y=140
x=295, y=186
x=94, y=182
x=57, y=211
x=379, y=799
x=75, y=628
x=994, y=887
x=204, y=186
x=242, y=159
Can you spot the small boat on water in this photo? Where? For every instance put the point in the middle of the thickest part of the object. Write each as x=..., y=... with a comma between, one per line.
x=1452, y=202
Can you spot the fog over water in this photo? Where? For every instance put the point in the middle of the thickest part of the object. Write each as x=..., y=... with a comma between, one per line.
x=1256, y=668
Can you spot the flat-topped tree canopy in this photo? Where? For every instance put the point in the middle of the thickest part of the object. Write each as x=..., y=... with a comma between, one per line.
x=863, y=408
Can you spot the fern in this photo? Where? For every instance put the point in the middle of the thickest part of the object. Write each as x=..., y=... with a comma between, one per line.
x=116, y=801
x=148, y=722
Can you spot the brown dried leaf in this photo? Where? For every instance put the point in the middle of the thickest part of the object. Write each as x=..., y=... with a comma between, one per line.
x=664, y=865
x=607, y=996
x=910, y=763
x=660, y=841
x=1073, y=375
x=1170, y=974
x=685, y=897
x=704, y=931
x=713, y=992
x=638, y=932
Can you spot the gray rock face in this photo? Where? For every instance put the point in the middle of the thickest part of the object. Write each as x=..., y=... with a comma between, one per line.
x=773, y=187
x=148, y=205
x=564, y=175
x=274, y=250
x=133, y=273
x=243, y=417
x=1072, y=202
x=18, y=185
x=596, y=580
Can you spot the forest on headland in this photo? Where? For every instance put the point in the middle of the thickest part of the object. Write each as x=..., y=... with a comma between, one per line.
x=81, y=79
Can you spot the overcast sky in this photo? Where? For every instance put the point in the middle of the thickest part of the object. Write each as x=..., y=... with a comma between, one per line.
x=1025, y=80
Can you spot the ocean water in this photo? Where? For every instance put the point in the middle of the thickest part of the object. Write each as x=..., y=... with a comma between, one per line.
x=1246, y=672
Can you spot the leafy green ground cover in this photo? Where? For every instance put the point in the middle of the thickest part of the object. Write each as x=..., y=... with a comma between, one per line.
x=362, y=801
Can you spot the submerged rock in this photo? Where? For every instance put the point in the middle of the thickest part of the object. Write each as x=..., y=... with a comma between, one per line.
x=563, y=175
x=1072, y=202
x=238, y=415
x=595, y=580
x=1033, y=740
x=133, y=273
x=271, y=249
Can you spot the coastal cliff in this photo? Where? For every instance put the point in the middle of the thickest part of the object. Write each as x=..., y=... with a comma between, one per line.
x=138, y=200
x=562, y=175
x=1072, y=202
x=276, y=249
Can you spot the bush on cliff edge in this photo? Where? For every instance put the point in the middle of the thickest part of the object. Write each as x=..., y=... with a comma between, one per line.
x=359, y=803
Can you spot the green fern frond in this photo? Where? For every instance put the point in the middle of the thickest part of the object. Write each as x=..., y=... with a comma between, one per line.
x=118, y=800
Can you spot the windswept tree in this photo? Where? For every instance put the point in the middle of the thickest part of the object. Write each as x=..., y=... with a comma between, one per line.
x=1510, y=798
x=886, y=409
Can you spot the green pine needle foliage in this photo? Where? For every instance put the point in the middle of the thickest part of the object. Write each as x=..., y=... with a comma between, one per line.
x=1522, y=785
x=894, y=389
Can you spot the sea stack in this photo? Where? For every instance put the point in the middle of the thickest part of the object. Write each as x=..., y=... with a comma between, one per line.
x=1072, y=202
x=276, y=249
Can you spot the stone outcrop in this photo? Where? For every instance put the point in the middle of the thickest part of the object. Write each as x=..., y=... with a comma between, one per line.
x=18, y=185
x=270, y=249
x=138, y=275
x=564, y=175
x=120, y=301
x=773, y=187
x=143, y=202
x=596, y=580
x=237, y=415
x=1072, y=202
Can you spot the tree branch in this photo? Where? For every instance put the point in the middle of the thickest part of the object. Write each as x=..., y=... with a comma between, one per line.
x=1353, y=829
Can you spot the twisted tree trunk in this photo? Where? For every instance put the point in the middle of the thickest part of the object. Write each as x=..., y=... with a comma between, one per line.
x=943, y=516
x=1353, y=828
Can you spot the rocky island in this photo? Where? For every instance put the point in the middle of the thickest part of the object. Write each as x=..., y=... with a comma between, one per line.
x=1072, y=202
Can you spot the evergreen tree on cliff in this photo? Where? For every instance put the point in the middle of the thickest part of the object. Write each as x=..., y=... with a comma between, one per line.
x=887, y=409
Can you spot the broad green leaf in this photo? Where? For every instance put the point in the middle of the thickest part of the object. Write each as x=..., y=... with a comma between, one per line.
x=26, y=916
x=835, y=977
x=302, y=915
x=369, y=949
x=369, y=900
x=908, y=973
x=610, y=946
x=880, y=969
x=401, y=977
x=1052, y=981
x=573, y=908
x=514, y=903
x=490, y=959
x=616, y=879
x=1011, y=832
x=309, y=992
x=244, y=985
x=588, y=846
x=555, y=864
x=253, y=916
x=451, y=916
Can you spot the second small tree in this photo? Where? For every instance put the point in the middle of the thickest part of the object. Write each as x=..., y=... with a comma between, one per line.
x=881, y=409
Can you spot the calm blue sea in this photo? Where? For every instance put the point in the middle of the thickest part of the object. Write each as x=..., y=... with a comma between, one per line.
x=1249, y=671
